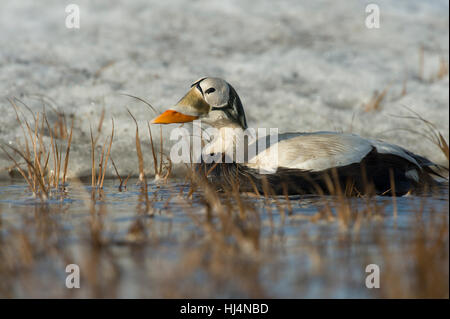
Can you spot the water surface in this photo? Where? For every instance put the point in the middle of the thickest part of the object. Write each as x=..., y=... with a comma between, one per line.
x=177, y=245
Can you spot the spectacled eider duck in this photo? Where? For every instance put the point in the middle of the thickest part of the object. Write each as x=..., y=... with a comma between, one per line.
x=307, y=163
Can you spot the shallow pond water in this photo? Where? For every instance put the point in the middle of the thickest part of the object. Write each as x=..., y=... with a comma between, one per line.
x=177, y=244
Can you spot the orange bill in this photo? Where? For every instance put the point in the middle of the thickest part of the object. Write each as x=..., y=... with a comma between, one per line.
x=171, y=116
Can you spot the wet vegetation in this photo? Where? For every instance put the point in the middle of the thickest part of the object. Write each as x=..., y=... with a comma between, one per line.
x=156, y=236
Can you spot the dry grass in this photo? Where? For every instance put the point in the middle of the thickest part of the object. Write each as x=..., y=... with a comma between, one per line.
x=236, y=239
x=235, y=243
x=98, y=170
x=441, y=72
x=430, y=132
x=375, y=102
x=40, y=162
x=123, y=182
x=424, y=258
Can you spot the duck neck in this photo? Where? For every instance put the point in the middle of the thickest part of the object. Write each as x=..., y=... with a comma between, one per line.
x=225, y=141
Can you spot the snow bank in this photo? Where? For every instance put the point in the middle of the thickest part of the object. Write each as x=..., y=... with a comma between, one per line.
x=297, y=66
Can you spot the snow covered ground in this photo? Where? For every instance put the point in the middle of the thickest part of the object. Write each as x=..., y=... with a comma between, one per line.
x=297, y=65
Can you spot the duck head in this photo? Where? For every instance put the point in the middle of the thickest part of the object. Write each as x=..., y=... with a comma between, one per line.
x=212, y=100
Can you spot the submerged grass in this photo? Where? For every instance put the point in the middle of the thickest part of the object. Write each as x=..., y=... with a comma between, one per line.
x=98, y=175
